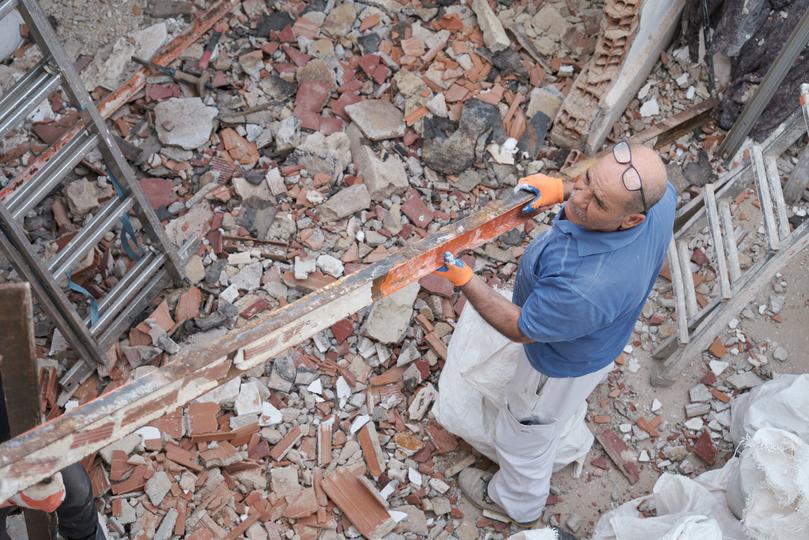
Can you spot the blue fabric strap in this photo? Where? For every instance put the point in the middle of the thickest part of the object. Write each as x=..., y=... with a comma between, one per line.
x=128, y=237
x=75, y=287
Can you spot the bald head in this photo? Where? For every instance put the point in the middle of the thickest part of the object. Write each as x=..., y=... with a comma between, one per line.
x=602, y=201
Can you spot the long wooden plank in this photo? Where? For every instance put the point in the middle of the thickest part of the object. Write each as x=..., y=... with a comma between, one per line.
x=201, y=367
x=661, y=133
x=763, y=185
x=718, y=241
x=20, y=379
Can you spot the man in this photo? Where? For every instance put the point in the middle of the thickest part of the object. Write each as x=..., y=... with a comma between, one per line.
x=579, y=289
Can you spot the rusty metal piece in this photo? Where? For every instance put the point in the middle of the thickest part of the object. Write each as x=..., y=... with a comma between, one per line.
x=117, y=99
x=200, y=368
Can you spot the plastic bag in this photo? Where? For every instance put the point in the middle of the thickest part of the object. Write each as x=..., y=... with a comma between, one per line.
x=472, y=387
x=686, y=510
x=781, y=403
x=769, y=488
x=535, y=534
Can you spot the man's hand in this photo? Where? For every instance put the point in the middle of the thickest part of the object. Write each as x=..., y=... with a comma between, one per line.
x=47, y=495
x=455, y=270
x=547, y=191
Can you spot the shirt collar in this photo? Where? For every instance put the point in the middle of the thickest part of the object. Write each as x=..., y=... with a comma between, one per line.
x=596, y=242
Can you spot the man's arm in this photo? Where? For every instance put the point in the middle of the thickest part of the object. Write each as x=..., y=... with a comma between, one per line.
x=495, y=309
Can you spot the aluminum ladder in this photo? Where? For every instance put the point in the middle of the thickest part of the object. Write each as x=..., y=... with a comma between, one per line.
x=155, y=261
x=698, y=325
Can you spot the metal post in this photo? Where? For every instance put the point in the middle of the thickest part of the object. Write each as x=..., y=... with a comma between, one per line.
x=21, y=382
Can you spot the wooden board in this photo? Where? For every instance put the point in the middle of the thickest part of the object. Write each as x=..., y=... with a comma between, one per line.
x=201, y=367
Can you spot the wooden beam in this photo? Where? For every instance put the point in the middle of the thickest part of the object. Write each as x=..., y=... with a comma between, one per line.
x=20, y=379
x=661, y=133
x=201, y=367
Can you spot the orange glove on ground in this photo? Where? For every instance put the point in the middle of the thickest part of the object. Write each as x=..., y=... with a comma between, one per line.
x=547, y=191
x=455, y=270
x=47, y=495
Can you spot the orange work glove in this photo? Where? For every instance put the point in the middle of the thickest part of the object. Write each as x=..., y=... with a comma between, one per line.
x=547, y=191
x=47, y=495
x=455, y=270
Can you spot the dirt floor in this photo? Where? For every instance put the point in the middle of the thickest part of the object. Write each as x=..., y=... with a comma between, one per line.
x=88, y=25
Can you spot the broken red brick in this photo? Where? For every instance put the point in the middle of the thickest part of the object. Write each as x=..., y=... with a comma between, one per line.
x=364, y=511
x=285, y=444
x=202, y=418
x=620, y=454
x=371, y=449
x=303, y=504
x=437, y=285
x=717, y=348
x=704, y=448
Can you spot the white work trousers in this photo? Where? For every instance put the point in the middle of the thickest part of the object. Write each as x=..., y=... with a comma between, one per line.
x=527, y=432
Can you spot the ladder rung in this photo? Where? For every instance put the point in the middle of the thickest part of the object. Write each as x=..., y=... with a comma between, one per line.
x=22, y=103
x=30, y=194
x=760, y=175
x=718, y=242
x=24, y=85
x=121, y=295
x=7, y=7
x=777, y=192
x=89, y=235
x=135, y=306
x=730, y=241
x=688, y=279
x=679, y=293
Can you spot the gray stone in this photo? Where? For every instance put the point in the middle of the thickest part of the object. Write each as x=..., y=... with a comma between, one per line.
x=283, y=227
x=184, y=122
x=780, y=354
x=277, y=88
x=441, y=506
x=287, y=134
x=345, y=202
x=494, y=35
x=744, y=380
x=247, y=190
x=249, y=399
x=82, y=197
x=452, y=153
x=776, y=303
x=378, y=119
x=697, y=409
x=282, y=376
x=415, y=522
x=157, y=487
x=194, y=223
x=166, y=529
x=330, y=265
x=390, y=317
x=320, y=154
x=574, y=522
x=338, y=23
x=699, y=393
x=126, y=445
x=128, y=514
x=382, y=178
x=249, y=277
x=546, y=100
x=284, y=481
x=303, y=267
x=111, y=63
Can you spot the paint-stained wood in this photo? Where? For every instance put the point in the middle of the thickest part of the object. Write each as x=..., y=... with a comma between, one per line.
x=201, y=367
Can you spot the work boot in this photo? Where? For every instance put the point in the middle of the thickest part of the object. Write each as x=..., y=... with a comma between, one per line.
x=475, y=487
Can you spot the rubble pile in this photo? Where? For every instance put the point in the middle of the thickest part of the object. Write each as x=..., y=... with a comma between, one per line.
x=329, y=136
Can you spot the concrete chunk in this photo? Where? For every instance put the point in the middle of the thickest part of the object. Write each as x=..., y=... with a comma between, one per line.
x=378, y=119
x=346, y=202
x=494, y=36
x=390, y=316
x=184, y=122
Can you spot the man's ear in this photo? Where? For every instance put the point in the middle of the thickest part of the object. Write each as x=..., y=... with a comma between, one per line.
x=632, y=220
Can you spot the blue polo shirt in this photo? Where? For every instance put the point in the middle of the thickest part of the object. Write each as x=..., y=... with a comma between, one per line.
x=582, y=291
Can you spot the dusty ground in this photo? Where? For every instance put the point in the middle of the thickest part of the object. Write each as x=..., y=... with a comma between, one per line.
x=87, y=25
